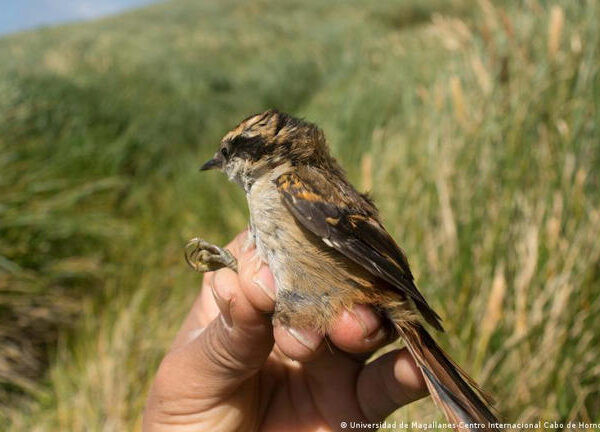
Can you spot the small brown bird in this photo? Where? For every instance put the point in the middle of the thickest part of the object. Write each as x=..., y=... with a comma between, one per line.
x=327, y=249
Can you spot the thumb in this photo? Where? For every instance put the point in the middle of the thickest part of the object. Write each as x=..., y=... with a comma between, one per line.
x=216, y=360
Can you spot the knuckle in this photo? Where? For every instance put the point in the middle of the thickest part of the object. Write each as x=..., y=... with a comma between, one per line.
x=222, y=353
x=166, y=375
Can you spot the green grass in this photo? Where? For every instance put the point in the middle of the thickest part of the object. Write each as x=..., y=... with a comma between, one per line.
x=476, y=127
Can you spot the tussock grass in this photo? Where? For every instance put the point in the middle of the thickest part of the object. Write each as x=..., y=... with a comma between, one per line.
x=476, y=129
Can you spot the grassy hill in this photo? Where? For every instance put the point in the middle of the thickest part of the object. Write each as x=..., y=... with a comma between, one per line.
x=475, y=126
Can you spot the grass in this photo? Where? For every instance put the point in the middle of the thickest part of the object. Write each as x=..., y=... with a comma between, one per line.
x=476, y=128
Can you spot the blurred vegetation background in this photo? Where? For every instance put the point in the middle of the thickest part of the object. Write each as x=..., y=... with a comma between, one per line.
x=474, y=124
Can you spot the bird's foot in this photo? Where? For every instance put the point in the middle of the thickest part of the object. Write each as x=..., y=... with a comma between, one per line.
x=205, y=257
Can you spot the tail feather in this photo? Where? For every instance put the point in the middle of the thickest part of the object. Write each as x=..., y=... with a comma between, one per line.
x=457, y=394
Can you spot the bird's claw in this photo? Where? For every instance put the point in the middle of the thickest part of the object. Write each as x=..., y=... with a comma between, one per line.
x=206, y=257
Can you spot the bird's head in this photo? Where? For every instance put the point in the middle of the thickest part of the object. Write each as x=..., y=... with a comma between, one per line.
x=263, y=142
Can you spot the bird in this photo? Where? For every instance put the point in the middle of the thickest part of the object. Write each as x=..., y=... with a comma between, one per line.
x=328, y=249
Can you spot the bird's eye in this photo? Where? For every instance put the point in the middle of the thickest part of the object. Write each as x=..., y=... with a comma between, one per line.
x=225, y=152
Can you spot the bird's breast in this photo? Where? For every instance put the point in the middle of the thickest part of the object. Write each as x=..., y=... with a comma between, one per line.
x=271, y=225
x=313, y=280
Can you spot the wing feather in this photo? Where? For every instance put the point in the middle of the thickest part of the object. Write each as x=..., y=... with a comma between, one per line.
x=347, y=222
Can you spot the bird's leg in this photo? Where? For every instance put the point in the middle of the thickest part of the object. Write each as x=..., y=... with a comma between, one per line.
x=205, y=257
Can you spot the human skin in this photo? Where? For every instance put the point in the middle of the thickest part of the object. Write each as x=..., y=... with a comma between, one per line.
x=231, y=369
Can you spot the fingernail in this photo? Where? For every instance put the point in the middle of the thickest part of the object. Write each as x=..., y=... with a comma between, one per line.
x=264, y=279
x=310, y=340
x=226, y=319
x=379, y=334
x=367, y=319
x=266, y=290
x=223, y=299
x=193, y=334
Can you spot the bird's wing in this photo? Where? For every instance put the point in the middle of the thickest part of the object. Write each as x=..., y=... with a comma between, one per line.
x=334, y=213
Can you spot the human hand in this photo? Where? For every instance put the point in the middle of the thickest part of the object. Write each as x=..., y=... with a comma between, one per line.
x=229, y=369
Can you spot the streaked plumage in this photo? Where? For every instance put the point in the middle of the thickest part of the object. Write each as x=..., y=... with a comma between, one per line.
x=327, y=248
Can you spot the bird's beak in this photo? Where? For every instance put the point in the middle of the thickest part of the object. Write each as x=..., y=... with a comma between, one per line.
x=214, y=163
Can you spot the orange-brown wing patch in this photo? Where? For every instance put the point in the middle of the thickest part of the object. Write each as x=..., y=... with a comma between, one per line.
x=318, y=205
